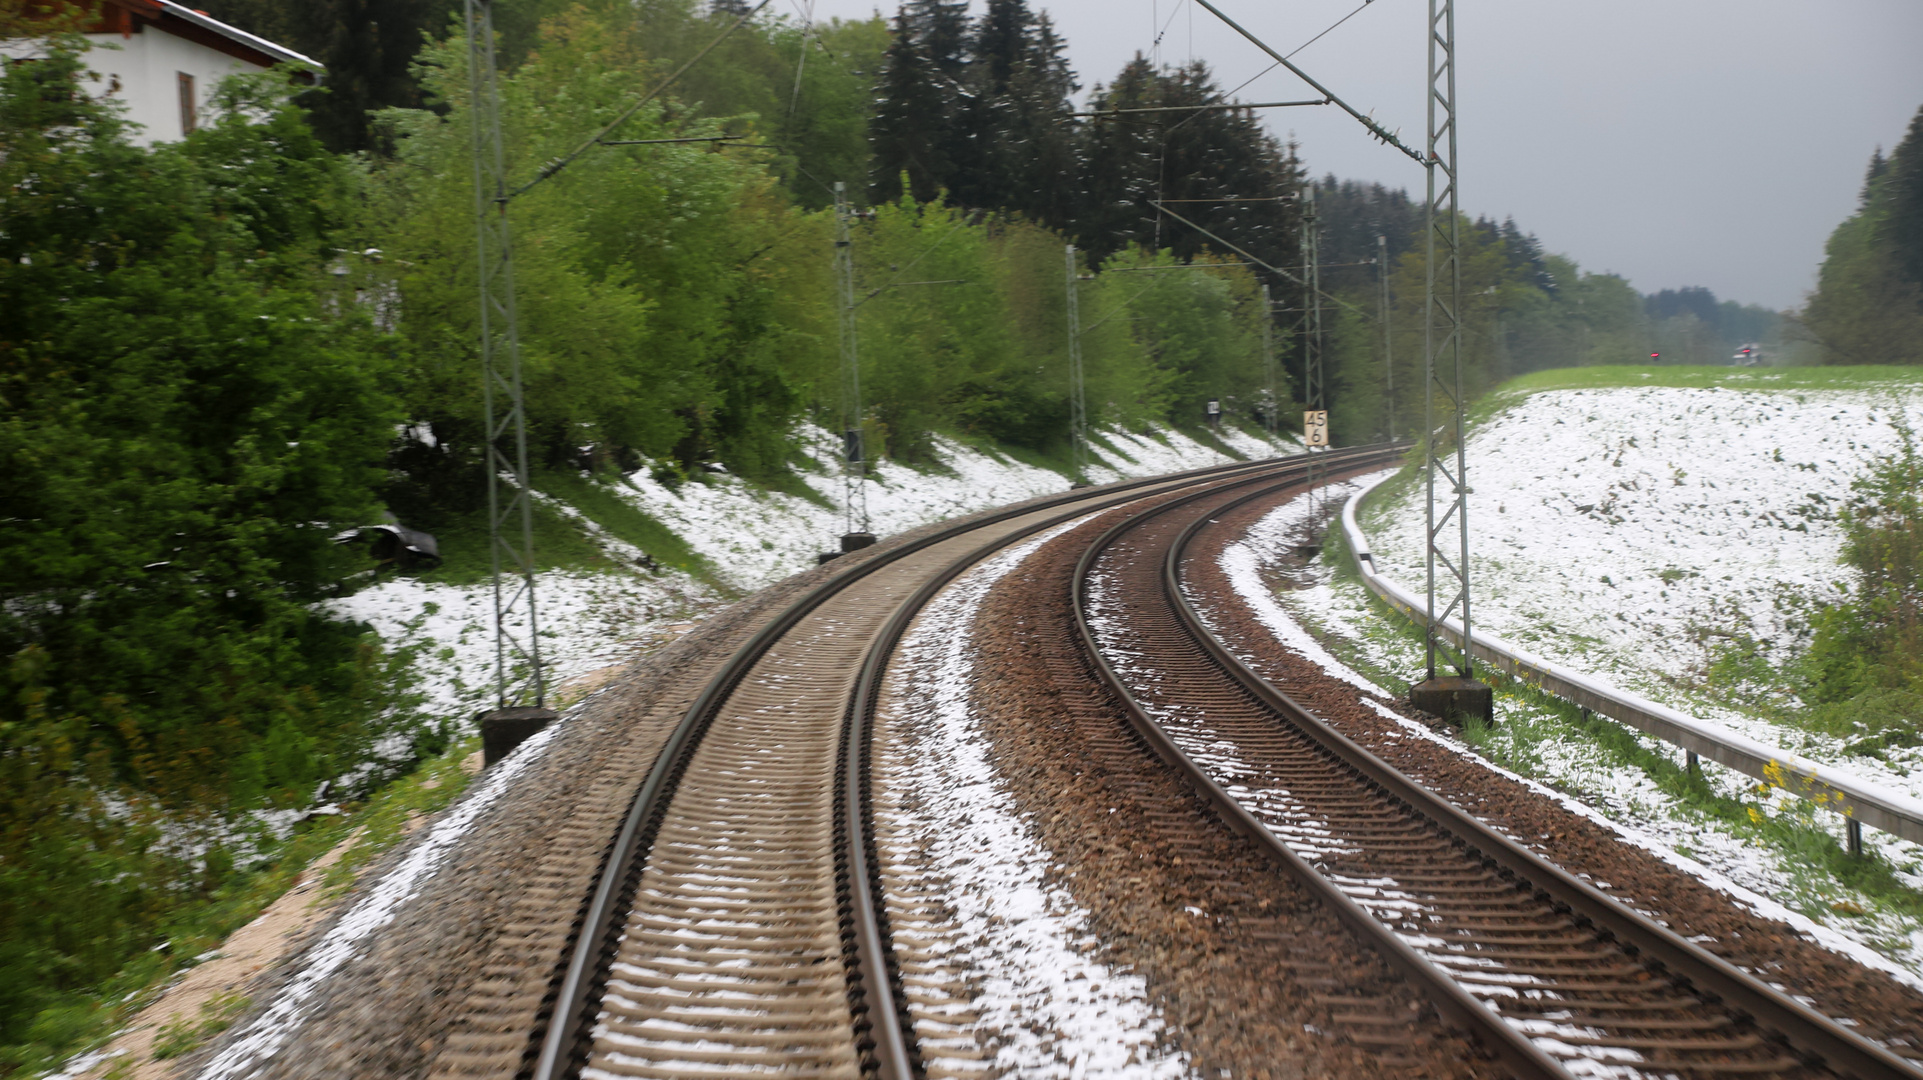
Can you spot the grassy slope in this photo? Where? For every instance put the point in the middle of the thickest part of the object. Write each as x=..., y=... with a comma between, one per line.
x=1804, y=848
x=1841, y=377
x=1610, y=376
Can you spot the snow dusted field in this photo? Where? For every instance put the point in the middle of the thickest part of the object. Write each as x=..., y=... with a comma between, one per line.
x=1330, y=619
x=1627, y=529
x=752, y=537
x=1628, y=532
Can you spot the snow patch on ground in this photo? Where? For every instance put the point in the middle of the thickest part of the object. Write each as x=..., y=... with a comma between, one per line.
x=588, y=621
x=1566, y=765
x=752, y=537
x=1629, y=531
x=1048, y=1005
x=755, y=537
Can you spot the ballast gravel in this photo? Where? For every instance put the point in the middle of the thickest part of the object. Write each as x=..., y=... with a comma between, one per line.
x=1251, y=975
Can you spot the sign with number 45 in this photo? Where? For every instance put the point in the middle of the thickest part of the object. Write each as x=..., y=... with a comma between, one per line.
x=1315, y=427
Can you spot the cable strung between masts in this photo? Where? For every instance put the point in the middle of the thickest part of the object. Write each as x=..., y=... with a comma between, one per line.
x=1375, y=129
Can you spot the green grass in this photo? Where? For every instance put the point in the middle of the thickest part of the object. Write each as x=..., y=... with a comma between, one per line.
x=611, y=508
x=558, y=544
x=1816, y=862
x=200, y=924
x=561, y=543
x=1832, y=377
x=181, y=1036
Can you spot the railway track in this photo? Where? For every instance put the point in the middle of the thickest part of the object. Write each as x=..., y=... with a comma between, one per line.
x=735, y=925
x=1554, y=977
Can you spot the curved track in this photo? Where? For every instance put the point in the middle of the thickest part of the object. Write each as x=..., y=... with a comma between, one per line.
x=1556, y=978
x=734, y=927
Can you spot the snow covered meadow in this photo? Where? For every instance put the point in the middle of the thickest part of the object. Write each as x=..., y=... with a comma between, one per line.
x=751, y=536
x=1630, y=529
x=1632, y=532
x=1629, y=532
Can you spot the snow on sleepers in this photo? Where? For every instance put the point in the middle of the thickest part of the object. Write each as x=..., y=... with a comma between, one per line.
x=1853, y=797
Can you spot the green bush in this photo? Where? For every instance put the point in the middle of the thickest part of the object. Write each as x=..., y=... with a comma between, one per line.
x=189, y=410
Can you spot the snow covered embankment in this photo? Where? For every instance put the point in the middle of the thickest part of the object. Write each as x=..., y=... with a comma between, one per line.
x=1629, y=532
x=1560, y=763
x=753, y=537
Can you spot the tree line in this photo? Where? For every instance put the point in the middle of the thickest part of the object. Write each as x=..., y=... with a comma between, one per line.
x=1868, y=304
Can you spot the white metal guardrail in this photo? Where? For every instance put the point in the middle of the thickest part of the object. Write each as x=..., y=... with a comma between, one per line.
x=1857, y=800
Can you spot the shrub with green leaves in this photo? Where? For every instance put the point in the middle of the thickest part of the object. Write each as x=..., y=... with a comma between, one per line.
x=189, y=411
x=1865, y=662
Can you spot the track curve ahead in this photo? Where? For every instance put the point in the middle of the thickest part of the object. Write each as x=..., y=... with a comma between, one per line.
x=1556, y=978
x=735, y=927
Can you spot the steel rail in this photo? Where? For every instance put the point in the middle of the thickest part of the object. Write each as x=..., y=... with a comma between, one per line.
x=1449, y=997
x=593, y=940
x=1832, y=789
x=1806, y=1030
x=855, y=819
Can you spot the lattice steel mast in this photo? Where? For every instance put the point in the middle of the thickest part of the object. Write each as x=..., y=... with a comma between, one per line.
x=1272, y=408
x=854, y=459
x=1446, y=480
x=1077, y=398
x=517, y=633
x=1314, y=397
x=1388, y=341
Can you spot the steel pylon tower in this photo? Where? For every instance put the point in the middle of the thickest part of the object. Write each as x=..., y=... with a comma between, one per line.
x=1077, y=398
x=854, y=457
x=1445, y=469
x=510, y=508
x=1272, y=409
x=1312, y=390
x=1388, y=340
x=1313, y=396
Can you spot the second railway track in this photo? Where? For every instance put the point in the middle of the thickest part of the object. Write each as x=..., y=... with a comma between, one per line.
x=1556, y=978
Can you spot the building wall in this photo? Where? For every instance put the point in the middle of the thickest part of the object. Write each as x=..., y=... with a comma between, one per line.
x=147, y=66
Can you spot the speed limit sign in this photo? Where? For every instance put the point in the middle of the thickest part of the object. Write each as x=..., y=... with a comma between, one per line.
x=1315, y=427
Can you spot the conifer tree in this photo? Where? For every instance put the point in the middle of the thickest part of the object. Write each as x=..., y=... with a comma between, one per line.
x=915, y=131
x=1234, y=178
x=1903, y=229
x=1043, y=153
x=1020, y=146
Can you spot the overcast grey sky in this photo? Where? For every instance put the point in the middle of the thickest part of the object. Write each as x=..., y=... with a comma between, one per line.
x=1675, y=142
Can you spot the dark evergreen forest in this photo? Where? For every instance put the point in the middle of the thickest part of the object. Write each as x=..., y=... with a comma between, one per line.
x=1868, y=306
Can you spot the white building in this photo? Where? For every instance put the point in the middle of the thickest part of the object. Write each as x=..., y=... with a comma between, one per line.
x=164, y=61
